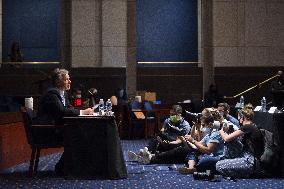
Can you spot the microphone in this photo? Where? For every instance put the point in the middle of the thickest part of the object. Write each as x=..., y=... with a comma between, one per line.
x=196, y=115
x=93, y=91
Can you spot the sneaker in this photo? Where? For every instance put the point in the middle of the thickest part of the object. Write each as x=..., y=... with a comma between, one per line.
x=145, y=159
x=146, y=152
x=132, y=156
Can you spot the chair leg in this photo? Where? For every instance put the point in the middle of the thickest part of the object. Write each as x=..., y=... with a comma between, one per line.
x=146, y=128
x=130, y=129
x=32, y=161
x=37, y=160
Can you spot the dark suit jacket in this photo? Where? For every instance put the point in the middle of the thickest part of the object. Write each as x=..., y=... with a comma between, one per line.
x=51, y=108
x=277, y=90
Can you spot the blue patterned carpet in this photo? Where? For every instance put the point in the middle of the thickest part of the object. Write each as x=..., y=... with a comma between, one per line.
x=140, y=176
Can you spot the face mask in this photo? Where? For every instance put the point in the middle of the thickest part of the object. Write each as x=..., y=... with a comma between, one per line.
x=174, y=119
x=205, y=131
x=221, y=114
x=216, y=125
x=121, y=93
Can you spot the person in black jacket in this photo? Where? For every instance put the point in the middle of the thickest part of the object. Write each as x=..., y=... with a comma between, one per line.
x=277, y=90
x=212, y=97
x=54, y=105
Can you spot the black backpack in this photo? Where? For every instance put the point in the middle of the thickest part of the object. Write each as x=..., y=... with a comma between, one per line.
x=270, y=158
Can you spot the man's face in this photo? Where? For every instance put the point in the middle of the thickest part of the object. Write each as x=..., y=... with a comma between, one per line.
x=65, y=83
x=222, y=111
x=280, y=76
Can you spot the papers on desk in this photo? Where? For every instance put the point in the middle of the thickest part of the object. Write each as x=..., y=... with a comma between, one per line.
x=257, y=109
x=96, y=114
x=96, y=106
x=272, y=110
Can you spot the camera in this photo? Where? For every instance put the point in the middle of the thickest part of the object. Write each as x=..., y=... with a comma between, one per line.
x=203, y=175
x=195, y=115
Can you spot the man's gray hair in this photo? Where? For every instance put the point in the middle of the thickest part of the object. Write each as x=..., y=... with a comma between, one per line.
x=57, y=76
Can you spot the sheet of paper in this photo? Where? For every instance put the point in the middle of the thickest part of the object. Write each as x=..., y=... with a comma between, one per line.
x=272, y=109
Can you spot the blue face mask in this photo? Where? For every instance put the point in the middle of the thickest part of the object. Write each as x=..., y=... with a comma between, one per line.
x=205, y=131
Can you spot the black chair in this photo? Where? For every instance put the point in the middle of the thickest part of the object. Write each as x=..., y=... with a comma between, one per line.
x=141, y=115
x=151, y=121
x=40, y=136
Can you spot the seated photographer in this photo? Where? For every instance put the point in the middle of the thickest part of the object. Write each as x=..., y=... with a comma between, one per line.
x=176, y=153
x=208, y=151
x=224, y=110
x=245, y=165
x=173, y=127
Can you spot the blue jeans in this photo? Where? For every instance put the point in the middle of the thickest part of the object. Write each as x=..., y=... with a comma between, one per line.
x=204, y=161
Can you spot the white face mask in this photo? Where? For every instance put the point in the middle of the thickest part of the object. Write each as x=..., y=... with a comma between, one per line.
x=121, y=93
x=216, y=125
x=205, y=131
x=221, y=114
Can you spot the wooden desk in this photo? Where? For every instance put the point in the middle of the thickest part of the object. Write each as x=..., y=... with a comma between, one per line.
x=92, y=148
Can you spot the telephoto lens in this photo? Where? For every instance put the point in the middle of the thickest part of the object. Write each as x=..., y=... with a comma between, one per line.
x=203, y=175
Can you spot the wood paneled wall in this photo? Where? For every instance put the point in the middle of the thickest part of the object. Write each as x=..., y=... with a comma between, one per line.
x=172, y=84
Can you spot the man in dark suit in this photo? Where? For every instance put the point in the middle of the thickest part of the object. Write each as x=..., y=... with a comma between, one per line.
x=54, y=105
x=277, y=90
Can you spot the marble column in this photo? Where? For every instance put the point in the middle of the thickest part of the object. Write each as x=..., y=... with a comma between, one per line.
x=86, y=32
x=114, y=33
x=207, y=43
x=131, y=68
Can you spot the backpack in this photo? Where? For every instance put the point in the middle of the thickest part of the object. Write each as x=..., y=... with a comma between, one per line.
x=270, y=157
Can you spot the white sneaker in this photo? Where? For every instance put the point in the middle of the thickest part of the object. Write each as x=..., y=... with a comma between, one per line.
x=145, y=158
x=132, y=156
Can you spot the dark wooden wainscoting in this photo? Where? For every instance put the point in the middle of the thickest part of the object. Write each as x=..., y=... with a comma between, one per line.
x=232, y=81
x=19, y=83
x=172, y=84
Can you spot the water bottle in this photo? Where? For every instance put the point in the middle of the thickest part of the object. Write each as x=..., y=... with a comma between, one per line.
x=108, y=107
x=101, y=106
x=263, y=104
x=242, y=101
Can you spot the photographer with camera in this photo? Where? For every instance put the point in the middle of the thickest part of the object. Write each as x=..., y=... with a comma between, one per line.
x=208, y=151
x=224, y=110
x=173, y=127
x=245, y=165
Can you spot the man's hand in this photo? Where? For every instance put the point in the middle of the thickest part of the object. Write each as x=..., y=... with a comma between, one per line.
x=188, y=138
x=88, y=111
